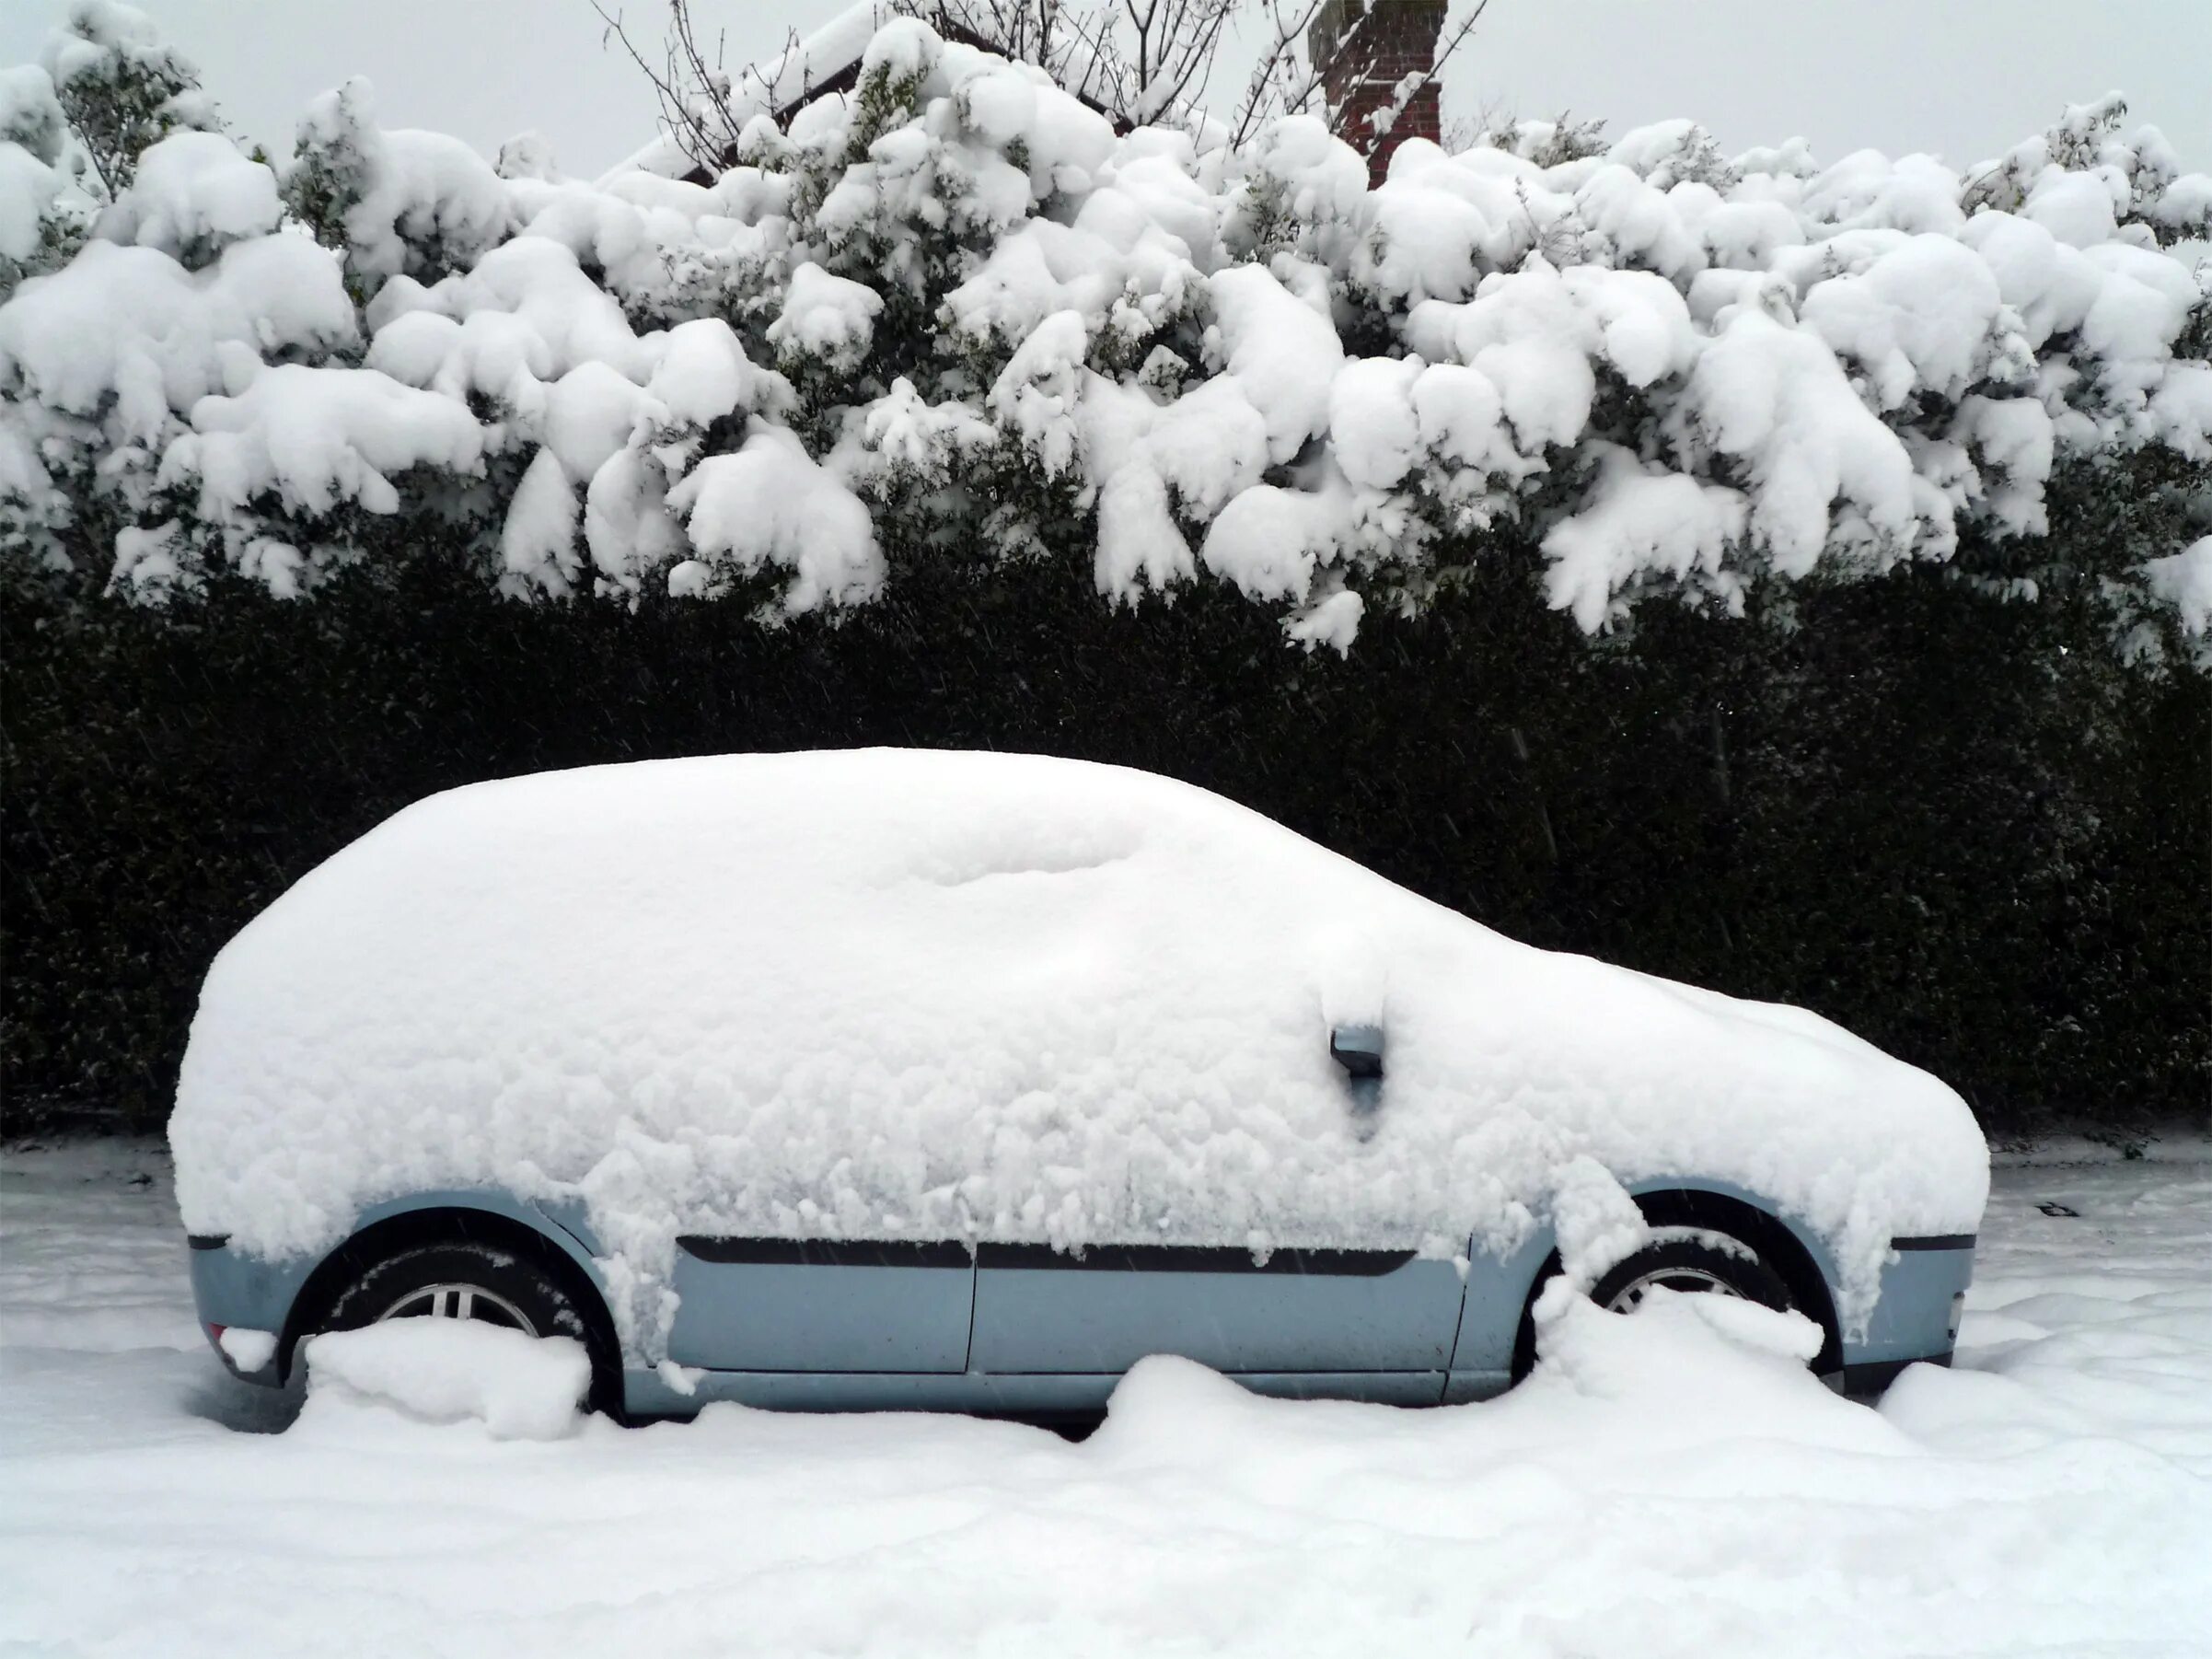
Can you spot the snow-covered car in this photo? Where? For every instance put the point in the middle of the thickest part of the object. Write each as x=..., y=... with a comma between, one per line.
x=895, y=1078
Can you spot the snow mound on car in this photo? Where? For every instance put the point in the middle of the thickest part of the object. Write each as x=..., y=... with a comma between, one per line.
x=449, y=1371
x=893, y=993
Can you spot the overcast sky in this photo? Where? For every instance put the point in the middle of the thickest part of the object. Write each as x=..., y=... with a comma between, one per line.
x=1962, y=78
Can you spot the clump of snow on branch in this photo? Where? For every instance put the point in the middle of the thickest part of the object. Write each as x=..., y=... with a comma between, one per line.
x=956, y=314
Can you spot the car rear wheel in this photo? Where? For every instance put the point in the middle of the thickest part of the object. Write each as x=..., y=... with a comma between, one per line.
x=460, y=1280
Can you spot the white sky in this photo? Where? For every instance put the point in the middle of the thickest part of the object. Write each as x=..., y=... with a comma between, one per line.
x=1963, y=78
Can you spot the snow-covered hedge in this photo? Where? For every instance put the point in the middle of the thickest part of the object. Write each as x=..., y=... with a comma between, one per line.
x=956, y=316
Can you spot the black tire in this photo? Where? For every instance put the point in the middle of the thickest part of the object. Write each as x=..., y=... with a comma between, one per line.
x=1693, y=1260
x=495, y=1284
x=1681, y=1258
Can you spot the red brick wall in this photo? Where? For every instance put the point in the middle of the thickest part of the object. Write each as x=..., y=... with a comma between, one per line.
x=1384, y=41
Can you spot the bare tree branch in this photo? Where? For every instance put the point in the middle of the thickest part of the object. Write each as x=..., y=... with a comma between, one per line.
x=1414, y=85
x=1270, y=88
x=693, y=95
x=1289, y=80
x=1141, y=61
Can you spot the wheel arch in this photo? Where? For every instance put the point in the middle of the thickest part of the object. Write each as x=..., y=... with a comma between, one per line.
x=1780, y=1245
x=447, y=1218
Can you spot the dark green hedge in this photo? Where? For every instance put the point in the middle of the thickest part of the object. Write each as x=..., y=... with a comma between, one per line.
x=1910, y=809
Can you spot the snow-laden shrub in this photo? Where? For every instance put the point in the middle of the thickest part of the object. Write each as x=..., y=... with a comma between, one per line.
x=955, y=317
x=44, y=213
x=122, y=87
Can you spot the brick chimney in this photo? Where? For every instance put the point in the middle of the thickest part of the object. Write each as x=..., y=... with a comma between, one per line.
x=1366, y=48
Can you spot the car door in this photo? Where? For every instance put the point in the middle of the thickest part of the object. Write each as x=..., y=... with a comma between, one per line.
x=822, y=1306
x=1373, y=1322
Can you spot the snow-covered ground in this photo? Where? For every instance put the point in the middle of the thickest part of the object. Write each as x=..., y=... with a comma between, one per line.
x=1659, y=1487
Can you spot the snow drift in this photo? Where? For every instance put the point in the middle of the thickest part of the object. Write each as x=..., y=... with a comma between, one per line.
x=889, y=993
x=449, y=1371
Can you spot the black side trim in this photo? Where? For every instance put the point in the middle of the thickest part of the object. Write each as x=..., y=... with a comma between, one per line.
x=1045, y=1258
x=1870, y=1377
x=1192, y=1258
x=1935, y=1241
x=207, y=1241
x=827, y=1252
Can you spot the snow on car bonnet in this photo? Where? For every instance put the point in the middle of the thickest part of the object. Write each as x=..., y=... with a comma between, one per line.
x=906, y=995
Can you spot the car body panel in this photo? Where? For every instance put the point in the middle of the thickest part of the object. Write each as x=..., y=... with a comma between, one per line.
x=1296, y=1311
x=1489, y=1315
x=1022, y=1330
x=233, y=1288
x=234, y=1291
x=777, y=1306
x=1916, y=1316
x=1033, y=1394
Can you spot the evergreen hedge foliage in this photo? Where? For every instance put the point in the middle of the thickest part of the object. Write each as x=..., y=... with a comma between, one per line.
x=1903, y=805
x=1978, y=832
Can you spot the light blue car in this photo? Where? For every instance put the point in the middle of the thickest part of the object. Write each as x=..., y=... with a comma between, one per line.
x=1025, y=1330
x=1126, y=1101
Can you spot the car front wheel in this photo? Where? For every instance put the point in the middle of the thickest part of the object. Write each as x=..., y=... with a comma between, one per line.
x=1691, y=1259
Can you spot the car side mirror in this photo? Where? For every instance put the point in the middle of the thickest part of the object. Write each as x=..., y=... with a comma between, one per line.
x=1359, y=1049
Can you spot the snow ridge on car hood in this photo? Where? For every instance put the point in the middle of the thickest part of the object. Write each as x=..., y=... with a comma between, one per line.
x=904, y=993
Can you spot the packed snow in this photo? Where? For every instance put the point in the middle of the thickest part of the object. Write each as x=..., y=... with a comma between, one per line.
x=245, y=1347
x=959, y=307
x=1667, y=1484
x=981, y=996
x=518, y=1386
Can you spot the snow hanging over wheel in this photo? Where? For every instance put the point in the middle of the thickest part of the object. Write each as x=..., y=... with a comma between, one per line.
x=913, y=994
